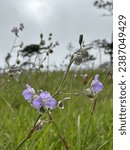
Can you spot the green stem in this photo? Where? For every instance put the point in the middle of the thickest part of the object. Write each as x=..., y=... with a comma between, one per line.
x=62, y=81
x=13, y=43
x=24, y=140
x=105, y=143
x=39, y=116
x=90, y=119
x=59, y=134
x=78, y=93
x=29, y=134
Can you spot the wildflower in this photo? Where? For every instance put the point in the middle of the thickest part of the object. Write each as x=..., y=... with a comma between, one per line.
x=44, y=99
x=15, y=30
x=80, y=56
x=29, y=93
x=57, y=43
x=78, y=59
x=21, y=26
x=84, y=53
x=96, y=85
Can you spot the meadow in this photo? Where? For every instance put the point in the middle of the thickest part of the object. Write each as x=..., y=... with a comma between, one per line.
x=17, y=116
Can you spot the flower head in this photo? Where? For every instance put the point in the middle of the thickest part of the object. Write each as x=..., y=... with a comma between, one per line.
x=21, y=26
x=15, y=30
x=96, y=85
x=44, y=99
x=29, y=93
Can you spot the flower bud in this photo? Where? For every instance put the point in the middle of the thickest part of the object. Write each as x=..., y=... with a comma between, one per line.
x=85, y=79
x=110, y=75
x=41, y=35
x=42, y=42
x=17, y=61
x=67, y=98
x=41, y=66
x=50, y=51
x=21, y=45
x=50, y=34
x=39, y=125
x=77, y=59
x=88, y=92
x=80, y=39
x=42, y=110
x=60, y=105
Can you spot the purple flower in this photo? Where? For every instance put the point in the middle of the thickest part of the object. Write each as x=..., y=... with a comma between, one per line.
x=96, y=85
x=29, y=93
x=44, y=99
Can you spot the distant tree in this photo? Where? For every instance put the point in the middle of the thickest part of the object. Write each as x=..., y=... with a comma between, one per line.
x=104, y=44
x=106, y=5
x=38, y=49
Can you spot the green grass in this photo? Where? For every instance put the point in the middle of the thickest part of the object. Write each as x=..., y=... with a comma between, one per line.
x=17, y=116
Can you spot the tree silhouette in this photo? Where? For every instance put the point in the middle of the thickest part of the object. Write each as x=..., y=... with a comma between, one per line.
x=106, y=5
x=104, y=44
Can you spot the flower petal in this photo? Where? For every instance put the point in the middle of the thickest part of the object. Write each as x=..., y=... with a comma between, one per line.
x=37, y=103
x=45, y=95
x=30, y=89
x=50, y=103
x=96, y=85
x=28, y=93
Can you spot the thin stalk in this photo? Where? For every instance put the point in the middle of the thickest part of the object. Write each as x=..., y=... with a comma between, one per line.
x=77, y=93
x=39, y=116
x=105, y=143
x=90, y=119
x=13, y=43
x=59, y=134
x=62, y=81
x=29, y=134
x=21, y=144
x=9, y=109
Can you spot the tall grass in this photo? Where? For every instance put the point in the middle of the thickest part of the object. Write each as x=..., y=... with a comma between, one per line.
x=17, y=116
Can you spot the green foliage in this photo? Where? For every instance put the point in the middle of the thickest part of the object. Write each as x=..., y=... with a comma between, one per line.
x=17, y=116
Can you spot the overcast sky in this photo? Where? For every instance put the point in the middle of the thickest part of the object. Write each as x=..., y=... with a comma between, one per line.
x=66, y=19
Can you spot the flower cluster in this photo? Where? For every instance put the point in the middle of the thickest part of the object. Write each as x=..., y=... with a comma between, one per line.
x=16, y=30
x=80, y=56
x=44, y=99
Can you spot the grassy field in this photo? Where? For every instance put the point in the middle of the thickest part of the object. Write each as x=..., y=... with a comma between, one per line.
x=17, y=116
